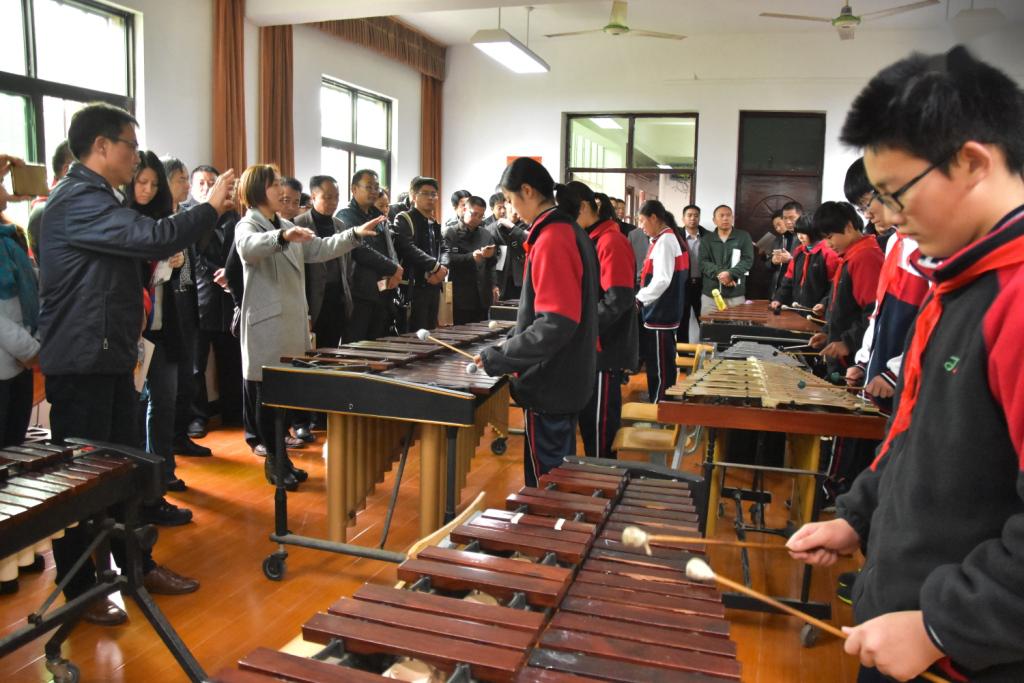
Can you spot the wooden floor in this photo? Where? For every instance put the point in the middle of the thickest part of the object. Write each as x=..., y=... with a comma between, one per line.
x=237, y=609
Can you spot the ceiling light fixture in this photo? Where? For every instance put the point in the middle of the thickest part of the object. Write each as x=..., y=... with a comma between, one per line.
x=607, y=124
x=502, y=47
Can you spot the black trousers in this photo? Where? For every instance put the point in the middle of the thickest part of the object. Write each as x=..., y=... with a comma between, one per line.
x=661, y=364
x=602, y=417
x=693, y=290
x=548, y=439
x=262, y=417
x=329, y=326
x=227, y=354
x=424, y=304
x=461, y=316
x=15, y=408
x=370, y=320
x=100, y=407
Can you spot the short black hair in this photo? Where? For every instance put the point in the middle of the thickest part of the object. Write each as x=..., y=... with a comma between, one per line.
x=173, y=165
x=459, y=195
x=527, y=171
x=421, y=180
x=96, y=120
x=793, y=206
x=62, y=156
x=721, y=206
x=690, y=206
x=358, y=175
x=805, y=225
x=777, y=213
x=832, y=218
x=477, y=201
x=303, y=199
x=317, y=181
x=856, y=184
x=930, y=105
x=292, y=183
x=495, y=199
x=205, y=168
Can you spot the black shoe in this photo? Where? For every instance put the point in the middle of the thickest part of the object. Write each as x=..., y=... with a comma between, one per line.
x=259, y=450
x=9, y=587
x=196, y=428
x=304, y=434
x=186, y=446
x=290, y=483
x=165, y=513
x=176, y=485
x=300, y=475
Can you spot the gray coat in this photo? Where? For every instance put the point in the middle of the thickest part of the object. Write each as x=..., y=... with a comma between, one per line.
x=275, y=317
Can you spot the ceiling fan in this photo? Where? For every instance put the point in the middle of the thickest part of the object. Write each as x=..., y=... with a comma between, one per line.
x=847, y=21
x=617, y=26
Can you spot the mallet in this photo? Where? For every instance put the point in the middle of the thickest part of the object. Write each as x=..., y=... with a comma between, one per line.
x=815, y=320
x=471, y=368
x=636, y=537
x=699, y=570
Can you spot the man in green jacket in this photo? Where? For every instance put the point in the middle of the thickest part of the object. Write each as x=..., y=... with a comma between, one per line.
x=726, y=256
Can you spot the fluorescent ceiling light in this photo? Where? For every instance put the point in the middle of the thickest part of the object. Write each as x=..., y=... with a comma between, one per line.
x=607, y=124
x=502, y=47
x=665, y=166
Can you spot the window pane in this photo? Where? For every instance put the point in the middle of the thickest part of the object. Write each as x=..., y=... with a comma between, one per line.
x=12, y=37
x=664, y=142
x=14, y=140
x=334, y=162
x=335, y=114
x=598, y=142
x=371, y=123
x=374, y=165
x=782, y=143
x=60, y=26
x=611, y=184
x=57, y=115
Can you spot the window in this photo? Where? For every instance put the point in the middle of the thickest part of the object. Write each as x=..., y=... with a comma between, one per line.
x=355, y=132
x=44, y=78
x=634, y=156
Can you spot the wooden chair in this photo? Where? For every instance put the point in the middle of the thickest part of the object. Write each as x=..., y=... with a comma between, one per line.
x=649, y=444
x=689, y=357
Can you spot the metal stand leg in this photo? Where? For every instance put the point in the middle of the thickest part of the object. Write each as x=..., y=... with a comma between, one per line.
x=394, y=490
x=451, y=433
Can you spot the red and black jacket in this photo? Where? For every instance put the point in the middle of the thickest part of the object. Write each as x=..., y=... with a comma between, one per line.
x=852, y=297
x=553, y=348
x=616, y=322
x=808, y=276
x=941, y=510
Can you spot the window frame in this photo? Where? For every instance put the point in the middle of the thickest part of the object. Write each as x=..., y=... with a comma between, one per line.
x=353, y=148
x=35, y=89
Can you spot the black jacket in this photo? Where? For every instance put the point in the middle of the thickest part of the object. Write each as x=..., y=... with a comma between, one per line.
x=215, y=304
x=941, y=512
x=852, y=298
x=511, y=241
x=785, y=241
x=808, y=276
x=472, y=282
x=553, y=347
x=90, y=280
x=420, y=246
x=616, y=319
x=370, y=260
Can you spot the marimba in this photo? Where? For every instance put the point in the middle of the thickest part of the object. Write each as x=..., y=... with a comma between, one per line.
x=374, y=394
x=46, y=488
x=755, y=320
x=505, y=310
x=541, y=591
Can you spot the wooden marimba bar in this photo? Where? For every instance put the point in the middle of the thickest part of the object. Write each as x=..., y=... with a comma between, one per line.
x=541, y=591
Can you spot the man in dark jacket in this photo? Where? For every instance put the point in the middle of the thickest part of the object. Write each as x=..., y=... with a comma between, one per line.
x=784, y=245
x=940, y=512
x=471, y=257
x=726, y=256
x=509, y=234
x=693, y=233
x=92, y=313
x=375, y=268
x=420, y=248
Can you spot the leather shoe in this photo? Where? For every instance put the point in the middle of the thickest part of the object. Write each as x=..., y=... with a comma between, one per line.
x=186, y=446
x=104, y=612
x=196, y=428
x=162, y=581
x=259, y=450
x=176, y=485
x=300, y=475
x=291, y=442
x=304, y=434
x=165, y=513
x=290, y=483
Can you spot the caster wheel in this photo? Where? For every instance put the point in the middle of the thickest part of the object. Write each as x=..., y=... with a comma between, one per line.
x=273, y=567
x=63, y=671
x=499, y=446
x=809, y=636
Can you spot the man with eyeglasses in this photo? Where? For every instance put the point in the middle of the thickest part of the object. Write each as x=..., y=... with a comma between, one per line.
x=940, y=513
x=375, y=268
x=421, y=248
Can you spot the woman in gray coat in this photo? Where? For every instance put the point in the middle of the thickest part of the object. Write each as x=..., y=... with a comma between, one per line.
x=274, y=314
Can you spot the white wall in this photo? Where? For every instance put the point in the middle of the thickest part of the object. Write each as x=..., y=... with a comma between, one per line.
x=799, y=72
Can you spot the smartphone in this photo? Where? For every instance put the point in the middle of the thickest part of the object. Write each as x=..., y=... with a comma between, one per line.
x=29, y=180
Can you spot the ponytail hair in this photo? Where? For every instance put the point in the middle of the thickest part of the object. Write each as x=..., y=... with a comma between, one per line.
x=527, y=171
x=652, y=207
x=571, y=197
x=605, y=208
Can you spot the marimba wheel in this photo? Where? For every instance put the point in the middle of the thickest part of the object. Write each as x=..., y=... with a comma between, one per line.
x=63, y=671
x=273, y=566
x=499, y=446
x=809, y=635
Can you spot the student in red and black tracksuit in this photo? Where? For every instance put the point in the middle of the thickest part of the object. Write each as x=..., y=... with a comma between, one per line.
x=662, y=294
x=553, y=348
x=809, y=274
x=940, y=513
x=616, y=320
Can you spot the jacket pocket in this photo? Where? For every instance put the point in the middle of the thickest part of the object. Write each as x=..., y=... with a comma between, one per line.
x=262, y=314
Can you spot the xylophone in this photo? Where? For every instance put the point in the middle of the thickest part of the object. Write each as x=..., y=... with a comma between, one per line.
x=755, y=320
x=505, y=310
x=374, y=394
x=541, y=591
x=46, y=488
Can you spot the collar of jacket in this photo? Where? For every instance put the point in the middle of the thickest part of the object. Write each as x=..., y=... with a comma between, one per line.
x=552, y=215
x=364, y=216
x=863, y=244
x=1007, y=229
x=80, y=172
x=257, y=217
x=598, y=229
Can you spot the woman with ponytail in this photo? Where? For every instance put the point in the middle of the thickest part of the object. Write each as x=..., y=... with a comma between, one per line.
x=662, y=294
x=552, y=351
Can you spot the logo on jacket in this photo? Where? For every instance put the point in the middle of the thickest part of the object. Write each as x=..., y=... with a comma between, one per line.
x=951, y=364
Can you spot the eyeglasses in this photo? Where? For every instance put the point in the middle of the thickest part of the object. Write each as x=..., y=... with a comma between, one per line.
x=891, y=200
x=134, y=144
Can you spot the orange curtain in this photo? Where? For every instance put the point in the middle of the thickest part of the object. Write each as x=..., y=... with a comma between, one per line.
x=431, y=99
x=228, y=86
x=277, y=138
x=391, y=38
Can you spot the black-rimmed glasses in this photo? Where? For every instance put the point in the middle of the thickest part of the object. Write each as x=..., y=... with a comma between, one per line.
x=891, y=200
